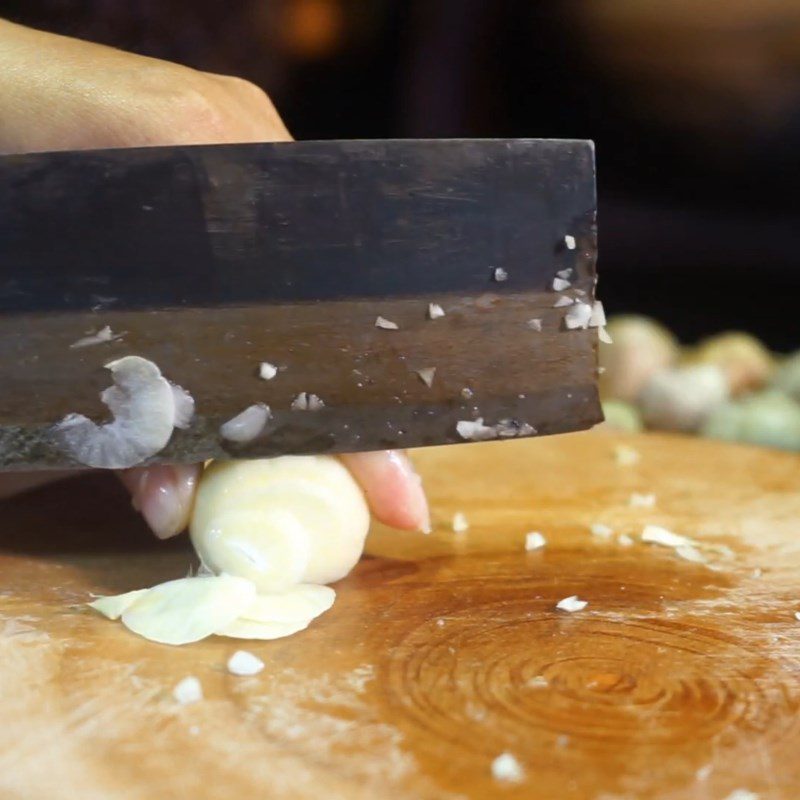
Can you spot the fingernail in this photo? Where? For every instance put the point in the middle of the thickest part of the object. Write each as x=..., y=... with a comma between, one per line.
x=416, y=500
x=163, y=495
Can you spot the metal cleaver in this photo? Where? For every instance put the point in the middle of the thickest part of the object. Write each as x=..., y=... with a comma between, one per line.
x=209, y=260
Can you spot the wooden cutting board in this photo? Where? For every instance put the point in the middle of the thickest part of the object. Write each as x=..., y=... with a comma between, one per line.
x=679, y=680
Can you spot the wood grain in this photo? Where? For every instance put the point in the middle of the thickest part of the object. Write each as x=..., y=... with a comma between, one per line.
x=678, y=680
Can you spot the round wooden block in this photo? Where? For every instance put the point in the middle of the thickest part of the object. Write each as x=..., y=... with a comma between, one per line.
x=678, y=679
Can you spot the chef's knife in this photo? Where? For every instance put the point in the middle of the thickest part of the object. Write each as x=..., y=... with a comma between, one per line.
x=208, y=260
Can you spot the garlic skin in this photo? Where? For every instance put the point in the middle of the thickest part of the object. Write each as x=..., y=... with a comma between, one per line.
x=145, y=411
x=746, y=362
x=681, y=399
x=641, y=347
x=280, y=522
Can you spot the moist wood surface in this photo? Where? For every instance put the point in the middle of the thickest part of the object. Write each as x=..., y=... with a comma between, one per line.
x=678, y=680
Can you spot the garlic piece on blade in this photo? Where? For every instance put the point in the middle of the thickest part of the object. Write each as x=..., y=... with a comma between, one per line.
x=143, y=404
x=280, y=521
x=188, y=609
x=247, y=425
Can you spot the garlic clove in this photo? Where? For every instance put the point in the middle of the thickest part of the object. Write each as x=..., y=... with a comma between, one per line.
x=247, y=425
x=188, y=609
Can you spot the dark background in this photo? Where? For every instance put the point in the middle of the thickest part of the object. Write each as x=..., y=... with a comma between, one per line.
x=694, y=106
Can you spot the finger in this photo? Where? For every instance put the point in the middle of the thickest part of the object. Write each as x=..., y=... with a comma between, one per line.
x=392, y=487
x=163, y=495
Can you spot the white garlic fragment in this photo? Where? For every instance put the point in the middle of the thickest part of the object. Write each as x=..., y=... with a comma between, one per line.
x=605, y=337
x=247, y=425
x=506, y=768
x=475, y=430
x=655, y=534
x=682, y=399
x=188, y=609
x=267, y=371
x=560, y=284
x=307, y=402
x=598, y=317
x=578, y=316
x=103, y=335
x=534, y=324
x=113, y=606
x=571, y=604
x=386, y=324
x=499, y=275
x=281, y=521
x=143, y=404
x=244, y=664
x=601, y=531
x=189, y=690
x=566, y=274
x=637, y=500
x=563, y=301
x=460, y=523
x=426, y=375
x=569, y=241
x=534, y=541
x=435, y=311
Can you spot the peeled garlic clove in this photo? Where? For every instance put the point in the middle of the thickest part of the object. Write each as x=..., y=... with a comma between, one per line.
x=280, y=521
x=303, y=602
x=113, y=606
x=682, y=399
x=188, y=609
x=143, y=405
x=253, y=629
x=641, y=347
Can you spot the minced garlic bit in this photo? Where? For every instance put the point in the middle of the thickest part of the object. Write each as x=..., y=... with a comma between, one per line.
x=655, y=534
x=604, y=336
x=460, y=523
x=475, y=430
x=578, y=316
x=247, y=425
x=797, y=615
x=467, y=393
x=534, y=541
x=566, y=274
x=386, y=324
x=623, y=540
x=499, y=274
x=601, y=531
x=307, y=402
x=559, y=284
x=534, y=324
x=637, y=500
x=435, y=311
x=426, y=375
x=742, y=794
x=244, y=664
x=598, y=318
x=690, y=553
x=538, y=682
x=188, y=691
x=506, y=768
x=563, y=301
x=626, y=456
x=103, y=335
x=267, y=371
x=569, y=241
x=571, y=603
x=704, y=772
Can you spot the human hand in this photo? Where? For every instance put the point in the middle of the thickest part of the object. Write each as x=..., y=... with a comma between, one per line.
x=58, y=93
